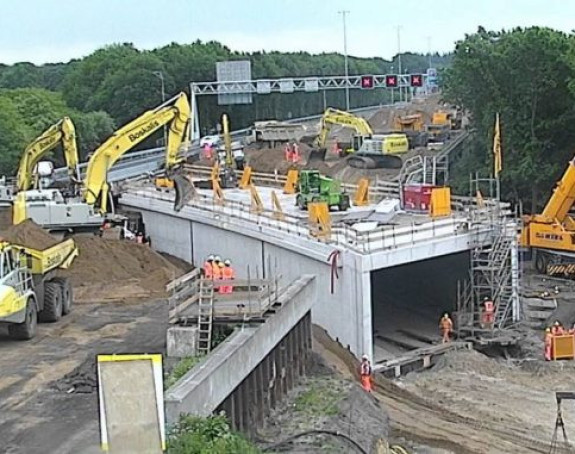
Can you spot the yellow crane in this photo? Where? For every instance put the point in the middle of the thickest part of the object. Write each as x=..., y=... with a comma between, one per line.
x=551, y=234
x=62, y=133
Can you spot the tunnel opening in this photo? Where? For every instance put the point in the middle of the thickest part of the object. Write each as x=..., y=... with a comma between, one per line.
x=407, y=302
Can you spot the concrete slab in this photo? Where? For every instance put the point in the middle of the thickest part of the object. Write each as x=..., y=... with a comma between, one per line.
x=182, y=341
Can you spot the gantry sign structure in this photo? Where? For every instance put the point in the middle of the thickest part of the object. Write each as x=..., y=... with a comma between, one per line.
x=298, y=84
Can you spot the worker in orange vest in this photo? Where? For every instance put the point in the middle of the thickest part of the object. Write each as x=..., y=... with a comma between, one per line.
x=228, y=274
x=217, y=271
x=548, y=353
x=365, y=373
x=557, y=329
x=488, y=314
x=209, y=267
x=446, y=327
x=295, y=156
x=288, y=152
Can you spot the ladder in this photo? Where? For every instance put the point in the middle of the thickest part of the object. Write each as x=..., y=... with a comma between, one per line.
x=205, y=316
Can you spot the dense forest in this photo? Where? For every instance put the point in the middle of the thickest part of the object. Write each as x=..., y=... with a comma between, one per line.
x=528, y=76
x=117, y=83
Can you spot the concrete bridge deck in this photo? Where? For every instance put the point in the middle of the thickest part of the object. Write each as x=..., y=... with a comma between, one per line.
x=343, y=263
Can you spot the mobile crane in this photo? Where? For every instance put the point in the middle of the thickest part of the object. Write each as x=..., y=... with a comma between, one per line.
x=551, y=234
x=88, y=211
x=367, y=150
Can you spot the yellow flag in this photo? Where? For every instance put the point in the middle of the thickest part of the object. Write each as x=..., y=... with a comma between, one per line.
x=497, y=148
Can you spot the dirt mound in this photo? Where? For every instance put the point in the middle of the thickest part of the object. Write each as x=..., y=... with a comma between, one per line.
x=29, y=234
x=112, y=270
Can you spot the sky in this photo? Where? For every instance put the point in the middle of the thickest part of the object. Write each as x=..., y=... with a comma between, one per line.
x=41, y=31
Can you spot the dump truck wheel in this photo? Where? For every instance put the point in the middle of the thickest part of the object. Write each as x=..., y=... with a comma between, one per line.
x=541, y=262
x=67, y=294
x=52, y=311
x=27, y=329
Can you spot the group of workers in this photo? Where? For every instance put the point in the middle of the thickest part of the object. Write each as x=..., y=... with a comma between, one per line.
x=553, y=332
x=218, y=270
x=292, y=153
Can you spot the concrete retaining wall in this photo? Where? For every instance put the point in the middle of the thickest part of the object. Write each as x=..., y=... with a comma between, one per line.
x=208, y=384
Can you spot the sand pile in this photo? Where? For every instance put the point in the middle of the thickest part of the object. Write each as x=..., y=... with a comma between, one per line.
x=29, y=234
x=117, y=270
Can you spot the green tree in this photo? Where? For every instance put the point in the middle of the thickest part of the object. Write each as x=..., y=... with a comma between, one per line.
x=524, y=75
x=14, y=136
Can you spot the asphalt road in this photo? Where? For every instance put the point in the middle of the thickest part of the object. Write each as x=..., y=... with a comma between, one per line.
x=48, y=398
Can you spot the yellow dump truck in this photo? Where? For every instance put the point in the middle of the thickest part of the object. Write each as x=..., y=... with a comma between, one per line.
x=29, y=289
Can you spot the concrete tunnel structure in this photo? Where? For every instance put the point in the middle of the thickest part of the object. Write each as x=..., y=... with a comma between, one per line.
x=435, y=251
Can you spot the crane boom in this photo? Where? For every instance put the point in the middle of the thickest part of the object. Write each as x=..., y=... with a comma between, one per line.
x=339, y=117
x=62, y=132
x=175, y=112
x=563, y=197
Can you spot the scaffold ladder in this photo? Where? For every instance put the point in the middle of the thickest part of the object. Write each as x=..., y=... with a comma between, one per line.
x=205, y=315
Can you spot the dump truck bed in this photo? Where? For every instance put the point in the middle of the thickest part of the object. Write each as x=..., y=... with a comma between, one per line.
x=60, y=255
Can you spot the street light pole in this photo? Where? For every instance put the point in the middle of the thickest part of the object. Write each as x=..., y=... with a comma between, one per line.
x=399, y=59
x=344, y=14
x=160, y=75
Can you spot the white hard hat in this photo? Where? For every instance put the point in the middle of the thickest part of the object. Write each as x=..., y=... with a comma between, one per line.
x=210, y=258
x=227, y=262
x=365, y=357
x=218, y=259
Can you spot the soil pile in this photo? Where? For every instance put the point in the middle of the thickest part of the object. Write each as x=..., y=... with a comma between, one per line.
x=29, y=234
x=116, y=270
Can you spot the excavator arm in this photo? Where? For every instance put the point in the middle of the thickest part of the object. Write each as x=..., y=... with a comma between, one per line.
x=339, y=117
x=175, y=113
x=63, y=133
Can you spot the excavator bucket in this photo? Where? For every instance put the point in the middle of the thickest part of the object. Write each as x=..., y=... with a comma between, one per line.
x=317, y=155
x=185, y=190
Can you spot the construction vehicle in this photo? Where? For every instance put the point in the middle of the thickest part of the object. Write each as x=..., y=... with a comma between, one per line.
x=413, y=126
x=313, y=187
x=380, y=151
x=230, y=157
x=272, y=133
x=551, y=234
x=89, y=210
x=339, y=117
x=30, y=290
x=35, y=173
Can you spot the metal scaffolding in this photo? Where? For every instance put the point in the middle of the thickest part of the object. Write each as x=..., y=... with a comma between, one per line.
x=494, y=264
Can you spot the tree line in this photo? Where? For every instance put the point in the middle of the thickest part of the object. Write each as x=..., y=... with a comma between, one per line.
x=115, y=84
x=527, y=76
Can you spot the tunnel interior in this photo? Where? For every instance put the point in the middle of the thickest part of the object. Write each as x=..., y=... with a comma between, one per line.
x=407, y=302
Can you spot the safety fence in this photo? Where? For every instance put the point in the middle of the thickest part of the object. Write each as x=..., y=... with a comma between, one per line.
x=270, y=222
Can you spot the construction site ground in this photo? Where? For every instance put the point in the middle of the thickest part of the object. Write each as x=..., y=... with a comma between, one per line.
x=48, y=394
x=265, y=159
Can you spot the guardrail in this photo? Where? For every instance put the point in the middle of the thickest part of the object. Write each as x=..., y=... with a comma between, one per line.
x=378, y=239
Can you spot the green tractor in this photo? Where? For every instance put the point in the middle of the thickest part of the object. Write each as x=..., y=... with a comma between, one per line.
x=313, y=187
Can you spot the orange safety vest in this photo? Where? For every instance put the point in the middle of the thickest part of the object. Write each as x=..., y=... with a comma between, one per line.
x=217, y=271
x=365, y=369
x=489, y=307
x=446, y=324
x=548, y=339
x=228, y=272
x=208, y=270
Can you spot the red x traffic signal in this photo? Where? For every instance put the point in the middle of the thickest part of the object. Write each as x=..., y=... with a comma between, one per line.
x=416, y=80
x=367, y=82
x=391, y=81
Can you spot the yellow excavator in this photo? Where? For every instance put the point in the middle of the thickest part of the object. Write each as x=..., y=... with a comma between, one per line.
x=63, y=133
x=333, y=117
x=52, y=210
x=367, y=150
x=551, y=234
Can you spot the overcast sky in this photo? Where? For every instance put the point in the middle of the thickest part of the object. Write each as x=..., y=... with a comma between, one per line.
x=57, y=30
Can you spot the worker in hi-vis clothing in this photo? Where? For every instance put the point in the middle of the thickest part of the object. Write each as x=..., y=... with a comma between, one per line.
x=446, y=327
x=548, y=352
x=209, y=267
x=365, y=372
x=227, y=274
x=217, y=271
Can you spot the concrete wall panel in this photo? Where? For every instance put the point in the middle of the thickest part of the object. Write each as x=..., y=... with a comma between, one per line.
x=240, y=249
x=169, y=234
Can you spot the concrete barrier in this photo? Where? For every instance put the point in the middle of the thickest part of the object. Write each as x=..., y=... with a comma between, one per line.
x=210, y=382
